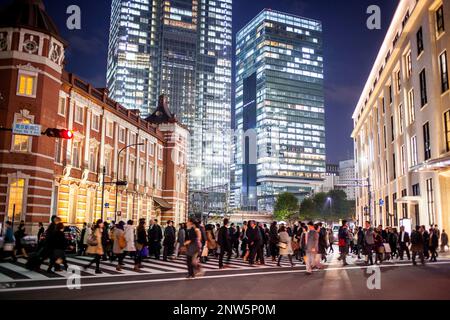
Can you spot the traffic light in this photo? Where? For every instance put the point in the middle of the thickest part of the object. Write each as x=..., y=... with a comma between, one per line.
x=59, y=133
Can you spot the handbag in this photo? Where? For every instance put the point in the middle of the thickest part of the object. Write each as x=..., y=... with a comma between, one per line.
x=8, y=247
x=282, y=245
x=295, y=246
x=122, y=242
x=144, y=252
x=92, y=240
x=205, y=251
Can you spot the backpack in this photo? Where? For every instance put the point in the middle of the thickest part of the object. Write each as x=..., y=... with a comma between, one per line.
x=92, y=240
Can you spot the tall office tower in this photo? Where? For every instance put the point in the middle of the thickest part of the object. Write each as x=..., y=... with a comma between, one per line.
x=280, y=115
x=133, y=57
x=182, y=48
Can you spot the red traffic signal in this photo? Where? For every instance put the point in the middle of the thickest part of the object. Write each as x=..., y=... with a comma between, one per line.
x=59, y=133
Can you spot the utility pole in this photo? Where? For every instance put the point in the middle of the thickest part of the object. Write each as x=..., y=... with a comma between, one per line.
x=369, y=193
x=103, y=190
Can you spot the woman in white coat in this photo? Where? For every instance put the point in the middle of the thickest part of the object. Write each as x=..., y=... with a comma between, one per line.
x=130, y=239
x=285, y=245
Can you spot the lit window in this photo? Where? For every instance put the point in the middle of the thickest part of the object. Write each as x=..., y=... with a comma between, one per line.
x=447, y=130
x=22, y=143
x=79, y=114
x=110, y=129
x=26, y=85
x=16, y=197
x=160, y=152
x=440, y=20
x=76, y=154
x=62, y=106
x=93, y=156
x=444, y=71
x=122, y=134
x=95, y=122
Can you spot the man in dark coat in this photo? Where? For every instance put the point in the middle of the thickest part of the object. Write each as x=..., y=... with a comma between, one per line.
x=403, y=241
x=169, y=240
x=254, y=240
x=225, y=243
x=417, y=245
x=323, y=245
x=273, y=240
x=262, y=244
x=426, y=242
x=154, y=239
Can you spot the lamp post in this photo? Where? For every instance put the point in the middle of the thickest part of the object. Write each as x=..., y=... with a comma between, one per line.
x=118, y=183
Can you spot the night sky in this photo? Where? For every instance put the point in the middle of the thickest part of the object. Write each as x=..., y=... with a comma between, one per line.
x=350, y=49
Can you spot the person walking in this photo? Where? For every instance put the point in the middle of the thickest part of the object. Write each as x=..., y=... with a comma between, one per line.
x=95, y=246
x=211, y=242
x=417, y=241
x=19, y=236
x=359, y=242
x=40, y=234
x=368, y=242
x=58, y=245
x=235, y=240
x=261, y=244
x=130, y=248
x=285, y=245
x=119, y=245
x=323, y=243
x=9, y=242
x=444, y=241
x=141, y=244
x=224, y=240
x=379, y=247
x=81, y=247
x=426, y=242
x=433, y=245
x=181, y=238
x=154, y=239
x=106, y=242
x=344, y=242
x=273, y=241
x=393, y=242
x=244, y=242
x=193, y=245
x=254, y=240
x=331, y=240
x=403, y=243
x=310, y=243
x=169, y=240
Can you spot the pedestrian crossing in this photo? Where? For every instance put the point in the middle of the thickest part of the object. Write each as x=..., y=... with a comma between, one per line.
x=16, y=271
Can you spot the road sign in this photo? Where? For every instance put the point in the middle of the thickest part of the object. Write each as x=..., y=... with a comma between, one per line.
x=381, y=202
x=27, y=129
x=107, y=205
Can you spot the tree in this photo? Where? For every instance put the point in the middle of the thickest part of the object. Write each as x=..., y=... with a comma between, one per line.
x=307, y=210
x=331, y=206
x=286, y=206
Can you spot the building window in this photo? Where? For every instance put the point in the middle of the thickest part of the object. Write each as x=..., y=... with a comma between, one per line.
x=133, y=140
x=150, y=177
x=412, y=109
x=399, y=81
x=403, y=159
x=447, y=130
x=430, y=201
x=142, y=146
x=62, y=106
x=419, y=37
x=159, y=179
x=390, y=95
x=142, y=173
x=392, y=129
x=76, y=154
x=26, y=85
x=384, y=136
x=408, y=65
x=416, y=193
x=394, y=166
x=22, y=143
x=395, y=209
x=58, y=150
x=122, y=135
x=95, y=122
x=108, y=162
x=440, y=20
x=423, y=89
x=79, y=114
x=110, y=129
x=414, y=155
x=131, y=175
x=152, y=149
x=400, y=118
x=160, y=152
x=93, y=156
x=427, y=141
x=404, y=205
x=121, y=167
x=15, y=200
x=444, y=71
x=383, y=104
x=388, y=217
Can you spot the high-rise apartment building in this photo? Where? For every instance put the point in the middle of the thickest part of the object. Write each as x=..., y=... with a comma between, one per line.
x=182, y=48
x=280, y=113
x=402, y=121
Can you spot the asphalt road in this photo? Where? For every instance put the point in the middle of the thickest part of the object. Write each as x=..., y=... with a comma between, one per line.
x=397, y=281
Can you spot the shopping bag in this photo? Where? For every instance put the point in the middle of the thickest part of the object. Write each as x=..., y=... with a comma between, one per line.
x=205, y=251
x=8, y=247
x=387, y=248
x=144, y=252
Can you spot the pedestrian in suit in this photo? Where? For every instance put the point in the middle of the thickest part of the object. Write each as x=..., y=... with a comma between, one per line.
x=368, y=242
x=444, y=240
x=169, y=240
x=273, y=240
x=154, y=239
x=254, y=240
x=417, y=243
x=404, y=241
x=224, y=239
x=433, y=244
x=262, y=244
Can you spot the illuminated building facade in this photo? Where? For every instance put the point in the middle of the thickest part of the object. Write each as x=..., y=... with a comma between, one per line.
x=402, y=121
x=186, y=55
x=280, y=113
x=42, y=176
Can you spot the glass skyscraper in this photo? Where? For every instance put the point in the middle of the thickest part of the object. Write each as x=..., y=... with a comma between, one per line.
x=182, y=48
x=280, y=113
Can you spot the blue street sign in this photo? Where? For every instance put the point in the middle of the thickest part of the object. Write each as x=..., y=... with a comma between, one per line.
x=27, y=129
x=381, y=202
x=107, y=205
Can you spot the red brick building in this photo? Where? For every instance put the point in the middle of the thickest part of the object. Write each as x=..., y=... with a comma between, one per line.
x=42, y=176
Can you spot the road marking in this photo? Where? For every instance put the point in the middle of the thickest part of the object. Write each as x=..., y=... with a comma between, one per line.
x=104, y=284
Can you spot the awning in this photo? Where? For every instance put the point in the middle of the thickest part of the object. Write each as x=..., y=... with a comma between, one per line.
x=440, y=164
x=409, y=200
x=162, y=203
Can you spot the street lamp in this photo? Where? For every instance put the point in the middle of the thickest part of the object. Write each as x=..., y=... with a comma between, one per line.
x=121, y=183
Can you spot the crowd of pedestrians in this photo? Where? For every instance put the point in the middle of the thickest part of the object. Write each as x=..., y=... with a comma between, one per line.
x=305, y=243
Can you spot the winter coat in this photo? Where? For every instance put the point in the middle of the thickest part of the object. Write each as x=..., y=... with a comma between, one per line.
x=416, y=241
x=118, y=233
x=98, y=249
x=129, y=238
x=211, y=242
x=285, y=238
